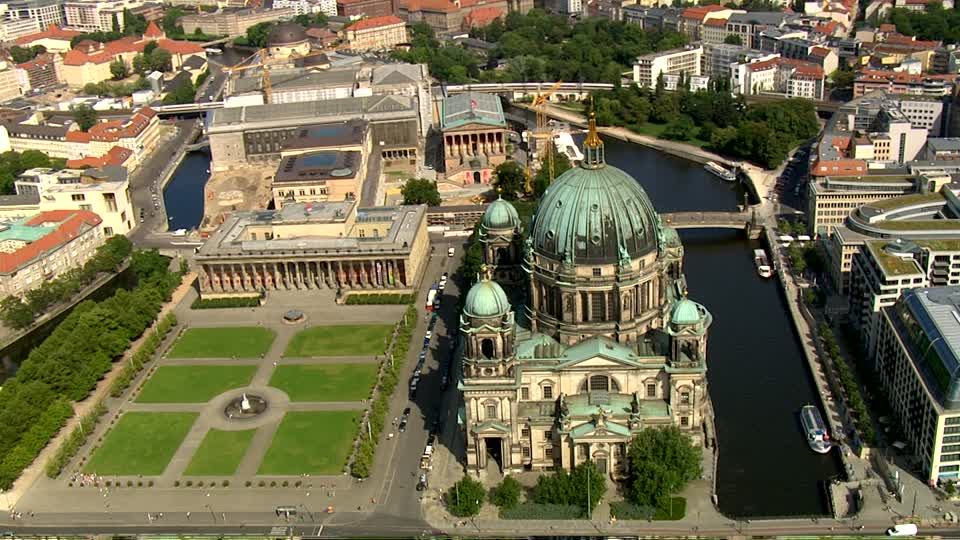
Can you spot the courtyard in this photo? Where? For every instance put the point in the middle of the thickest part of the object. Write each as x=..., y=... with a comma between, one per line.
x=232, y=404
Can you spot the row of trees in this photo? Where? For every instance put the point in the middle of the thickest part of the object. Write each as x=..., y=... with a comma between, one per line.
x=762, y=133
x=12, y=164
x=20, y=313
x=538, y=46
x=35, y=403
x=851, y=391
x=933, y=23
x=660, y=462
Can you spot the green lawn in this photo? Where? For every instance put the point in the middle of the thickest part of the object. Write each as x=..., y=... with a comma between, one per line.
x=311, y=442
x=220, y=453
x=325, y=382
x=342, y=340
x=193, y=384
x=141, y=443
x=228, y=342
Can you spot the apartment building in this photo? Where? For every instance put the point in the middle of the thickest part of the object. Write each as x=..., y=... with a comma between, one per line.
x=749, y=25
x=97, y=15
x=41, y=247
x=369, y=8
x=11, y=29
x=898, y=82
x=832, y=198
x=305, y=7
x=378, y=33
x=648, y=68
x=714, y=32
x=233, y=22
x=773, y=74
x=43, y=12
x=693, y=18
x=918, y=361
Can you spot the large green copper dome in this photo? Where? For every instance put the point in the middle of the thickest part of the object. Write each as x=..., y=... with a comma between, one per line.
x=486, y=299
x=593, y=213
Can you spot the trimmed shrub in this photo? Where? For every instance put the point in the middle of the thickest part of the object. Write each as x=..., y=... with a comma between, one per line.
x=71, y=445
x=542, y=511
x=220, y=303
x=379, y=299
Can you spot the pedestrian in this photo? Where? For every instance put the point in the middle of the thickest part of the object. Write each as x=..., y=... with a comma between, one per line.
x=188, y=515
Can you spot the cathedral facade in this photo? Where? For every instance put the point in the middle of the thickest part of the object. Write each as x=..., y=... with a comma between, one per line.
x=602, y=343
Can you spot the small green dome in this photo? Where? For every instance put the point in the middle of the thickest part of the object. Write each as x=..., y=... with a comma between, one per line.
x=500, y=215
x=486, y=299
x=686, y=312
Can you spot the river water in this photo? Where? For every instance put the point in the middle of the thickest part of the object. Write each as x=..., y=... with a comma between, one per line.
x=757, y=375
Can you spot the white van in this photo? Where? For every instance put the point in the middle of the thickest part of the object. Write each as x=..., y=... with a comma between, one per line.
x=906, y=529
x=450, y=252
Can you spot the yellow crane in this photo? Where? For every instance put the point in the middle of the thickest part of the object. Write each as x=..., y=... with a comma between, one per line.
x=541, y=132
x=263, y=63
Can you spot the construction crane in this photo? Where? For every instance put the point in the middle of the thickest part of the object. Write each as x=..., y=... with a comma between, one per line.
x=263, y=63
x=541, y=132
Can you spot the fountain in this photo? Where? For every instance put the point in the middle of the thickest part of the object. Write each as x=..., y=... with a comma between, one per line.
x=245, y=407
x=294, y=316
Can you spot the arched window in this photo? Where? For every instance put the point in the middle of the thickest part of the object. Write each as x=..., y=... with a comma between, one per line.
x=599, y=383
x=503, y=256
x=486, y=348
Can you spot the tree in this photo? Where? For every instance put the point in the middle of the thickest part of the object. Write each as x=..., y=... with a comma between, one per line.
x=150, y=47
x=257, y=34
x=171, y=17
x=733, y=39
x=31, y=159
x=465, y=498
x=20, y=55
x=118, y=69
x=85, y=116
x=584, y=486
x=510, y=180
x=182, y=93
x=161, y=60
x=661, y=461
x=133, y=24
x=681, y=129
x=507, y=494
x=15, y=313
x=420, y=191
x=843, y=78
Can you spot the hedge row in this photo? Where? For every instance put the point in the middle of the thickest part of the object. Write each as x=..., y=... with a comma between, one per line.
x=142, y=355
x=628, y=510
x=74, y=441
x=855, y=403
x=218, y=303
x=44, y=428
x=531, y=510
x=363, y=460
x=383, y=298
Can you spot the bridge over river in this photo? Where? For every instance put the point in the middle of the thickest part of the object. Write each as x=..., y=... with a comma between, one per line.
x=745, y=221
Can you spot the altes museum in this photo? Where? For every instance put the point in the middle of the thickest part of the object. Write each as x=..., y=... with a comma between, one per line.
x=601, y=340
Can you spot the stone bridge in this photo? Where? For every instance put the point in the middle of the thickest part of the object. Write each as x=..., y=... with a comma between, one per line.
x=745, y=221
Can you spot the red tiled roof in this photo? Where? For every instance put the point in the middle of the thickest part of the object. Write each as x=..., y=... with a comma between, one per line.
x=699, y=12
x=152, y=31
x=91, y=52
x=52, y=32
x=374, y=22
x=72, y=223
x=811, y=71
x=820, y=52
x=900, y=77
x=887, y=27
x=719, y=23
x=428, y=5
x=912, y=41
x=826, y=28
x=39, y=61
x=483, y=16
x=763, y=65
x=114, y=130
x=116, y=156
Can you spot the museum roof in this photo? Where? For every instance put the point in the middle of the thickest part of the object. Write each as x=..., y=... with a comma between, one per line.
x=316, y=166
x=471, y=108
x=397, y=74
x=228, y=242
x=296, y=114
x=297, y=78
x=332, y=135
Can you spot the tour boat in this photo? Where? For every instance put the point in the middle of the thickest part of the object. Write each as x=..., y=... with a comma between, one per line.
x=816, y=430
x=763, y=265
x=716, y=169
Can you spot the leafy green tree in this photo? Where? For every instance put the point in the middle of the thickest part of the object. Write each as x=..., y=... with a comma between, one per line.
x=420, y=191
x=471, y=264
x=118, y=69
x=182, y=93
x=133, y=25
x=733, y=39
x=507, y=494
x=31, y=159
x=20, y=55
x=85, y=116
x=171, y=17
x=843, y=78
x=15, y=313
x=465, y=498
x=584, y=486
x=150, y=47
x=257, y=34
x=510, y=180
x=661, y=461
x=311, y=19
x=681, y=129
x=665, y=108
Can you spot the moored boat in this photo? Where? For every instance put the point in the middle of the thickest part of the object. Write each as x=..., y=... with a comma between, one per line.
x=763, y=265
x=715, y=168
x=815, y=429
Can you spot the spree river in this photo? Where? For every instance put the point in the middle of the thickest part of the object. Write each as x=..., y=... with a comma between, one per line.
x=758, y=378
x=757, y=375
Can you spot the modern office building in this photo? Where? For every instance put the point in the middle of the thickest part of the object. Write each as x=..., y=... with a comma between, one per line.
x=648, y=68
x=918, y=361
x=97, y=15
x=44, y=12
x=332, y=245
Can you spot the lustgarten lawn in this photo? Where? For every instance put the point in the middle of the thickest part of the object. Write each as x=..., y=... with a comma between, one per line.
x=227, y=342
x=141, y=443
x=193, y=384
x=311, y=442
x=341, y=340
x=220, y=453
x=325, y=382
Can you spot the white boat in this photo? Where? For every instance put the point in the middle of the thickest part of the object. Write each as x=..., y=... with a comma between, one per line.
x=715, y=168
x=763, y=265
x=815, y=429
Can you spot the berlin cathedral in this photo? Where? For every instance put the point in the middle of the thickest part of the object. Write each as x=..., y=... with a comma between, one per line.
x=601, y=341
